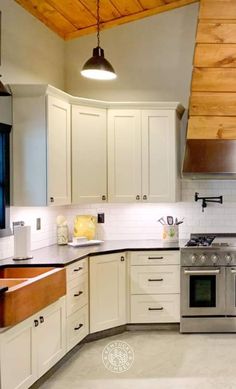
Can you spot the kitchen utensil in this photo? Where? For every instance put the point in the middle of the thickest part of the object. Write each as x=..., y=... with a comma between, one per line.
x=178, y=223
x=162, y=221
x=170, y=220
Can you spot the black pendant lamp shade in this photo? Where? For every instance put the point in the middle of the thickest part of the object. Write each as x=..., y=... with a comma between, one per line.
x=97, y=67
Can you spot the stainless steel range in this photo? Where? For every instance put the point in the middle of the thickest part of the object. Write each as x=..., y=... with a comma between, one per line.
x=208, y=284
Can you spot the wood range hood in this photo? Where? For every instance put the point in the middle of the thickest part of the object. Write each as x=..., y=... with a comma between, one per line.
x=211, y=134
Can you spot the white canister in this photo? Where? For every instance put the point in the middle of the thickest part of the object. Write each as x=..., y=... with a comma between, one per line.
x=170, y=233
x=62, y=235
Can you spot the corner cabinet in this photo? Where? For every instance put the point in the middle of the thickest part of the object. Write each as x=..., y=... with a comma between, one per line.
x=89, y=150
x=107, y=291
x=143, y=157
x=41, y=146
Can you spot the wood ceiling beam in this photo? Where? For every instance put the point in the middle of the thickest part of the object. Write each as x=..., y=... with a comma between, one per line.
x=130, y=18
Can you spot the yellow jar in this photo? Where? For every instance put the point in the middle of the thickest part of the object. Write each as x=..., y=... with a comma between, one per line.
x=85, y=225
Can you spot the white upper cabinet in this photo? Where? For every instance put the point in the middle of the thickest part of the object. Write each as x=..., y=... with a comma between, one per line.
x=59, y=151
x=89, y=155
x=41, y=146
x=124, y=155
x=143, y=155
x=160, y=181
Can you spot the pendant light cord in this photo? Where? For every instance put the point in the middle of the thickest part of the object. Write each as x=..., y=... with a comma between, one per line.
x=98, y=22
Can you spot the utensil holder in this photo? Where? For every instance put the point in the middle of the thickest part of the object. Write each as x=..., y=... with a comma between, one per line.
x=170, y=233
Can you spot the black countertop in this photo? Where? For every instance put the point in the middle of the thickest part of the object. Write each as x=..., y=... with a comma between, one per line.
x=63, y=255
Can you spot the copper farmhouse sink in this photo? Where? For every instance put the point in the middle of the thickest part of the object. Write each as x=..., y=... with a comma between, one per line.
x=30, y=289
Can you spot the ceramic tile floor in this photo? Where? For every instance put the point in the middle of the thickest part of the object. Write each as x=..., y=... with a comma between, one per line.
x=162, y=360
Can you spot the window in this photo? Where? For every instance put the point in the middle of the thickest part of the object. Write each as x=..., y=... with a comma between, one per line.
x=4, y=178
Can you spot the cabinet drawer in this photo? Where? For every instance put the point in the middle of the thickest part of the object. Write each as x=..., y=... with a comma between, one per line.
x=155, y=279
x=155, y=258
x=77, y=327
x=155, y=308
x=77, y=294
x=76, y=269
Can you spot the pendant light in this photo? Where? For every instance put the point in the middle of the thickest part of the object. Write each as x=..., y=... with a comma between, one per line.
x=97, y=67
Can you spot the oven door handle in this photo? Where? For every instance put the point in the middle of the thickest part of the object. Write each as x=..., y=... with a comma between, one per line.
x=204, y=272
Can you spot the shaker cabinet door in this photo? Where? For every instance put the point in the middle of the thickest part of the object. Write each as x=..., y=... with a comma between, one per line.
x=107, y=291
x=19, y=356
x=159, y=156
x=89, y=155
x=124, y=155
x=59, y=152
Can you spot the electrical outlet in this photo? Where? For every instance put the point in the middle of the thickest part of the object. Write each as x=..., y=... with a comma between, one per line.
x=101, y=217
x=38, y=223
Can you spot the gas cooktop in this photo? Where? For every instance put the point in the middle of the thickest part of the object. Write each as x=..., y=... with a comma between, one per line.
x=212, y=240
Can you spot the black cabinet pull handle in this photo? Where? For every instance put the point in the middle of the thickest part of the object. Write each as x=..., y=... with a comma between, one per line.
x=144, y=197
x=137, y=197
x=52, y=199
x=155, y=279
x=156, y=309
x=155, y=257
x=41, y=319
x=78, y=328
x=122, y=258
x=36, y=323
x=79, y=268
x=78, y=294
x=104, y=197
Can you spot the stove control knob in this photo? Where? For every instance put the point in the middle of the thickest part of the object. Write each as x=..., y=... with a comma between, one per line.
x=203, y=258
x=193, y=258
x=214, y=258
x=228, y=258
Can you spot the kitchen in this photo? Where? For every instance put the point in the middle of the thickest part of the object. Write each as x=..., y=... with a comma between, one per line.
x=163, y=81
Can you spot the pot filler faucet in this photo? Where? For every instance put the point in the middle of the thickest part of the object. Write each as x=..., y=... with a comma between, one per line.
x=206, y=200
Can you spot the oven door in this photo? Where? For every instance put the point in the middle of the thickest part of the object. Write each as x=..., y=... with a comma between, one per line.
x=231, y=291
x=202, y=291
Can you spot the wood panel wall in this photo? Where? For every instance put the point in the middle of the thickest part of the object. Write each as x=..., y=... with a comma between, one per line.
x=212, y=112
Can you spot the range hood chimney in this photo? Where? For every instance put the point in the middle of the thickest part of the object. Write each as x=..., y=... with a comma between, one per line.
x=210, y=150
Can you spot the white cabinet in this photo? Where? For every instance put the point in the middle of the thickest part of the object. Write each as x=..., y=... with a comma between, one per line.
x=51, y=336
x=41, y=146
x=77, y=321
x=160, y=162
x=89, y=155
x=124, y=155
x=143, y=160
x=107, y=291
x=32, y=347
x=58, y=151
x=155, y=287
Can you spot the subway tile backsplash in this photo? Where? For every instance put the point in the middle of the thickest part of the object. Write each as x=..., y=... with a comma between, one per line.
x=136, y=221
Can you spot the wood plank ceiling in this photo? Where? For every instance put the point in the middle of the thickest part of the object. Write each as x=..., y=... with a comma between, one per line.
x=73, y=18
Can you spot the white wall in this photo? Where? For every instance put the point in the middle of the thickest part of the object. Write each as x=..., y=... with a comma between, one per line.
x=31, y=53
x=152, y=57
x=139, y=221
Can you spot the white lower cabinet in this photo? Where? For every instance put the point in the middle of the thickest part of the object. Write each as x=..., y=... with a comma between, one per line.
x=32, y=347
x=77, y=327
x=155, y=287
x=107, y=291
x=77, y=321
